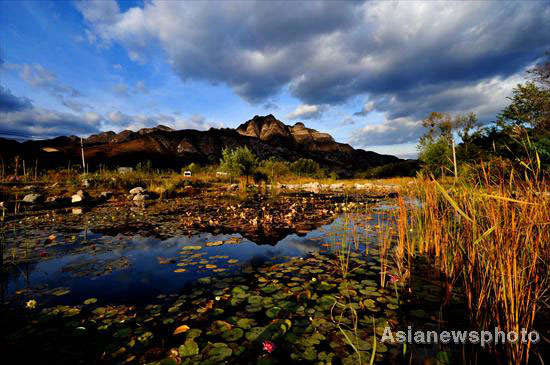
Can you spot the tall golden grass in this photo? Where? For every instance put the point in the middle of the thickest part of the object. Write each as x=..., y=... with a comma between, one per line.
x=490, y=239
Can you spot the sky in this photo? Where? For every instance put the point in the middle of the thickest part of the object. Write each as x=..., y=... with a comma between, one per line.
x=367, y=72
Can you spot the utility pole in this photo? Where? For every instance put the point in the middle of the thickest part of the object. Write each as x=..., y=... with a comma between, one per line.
x=83, y=161
x=454, y=160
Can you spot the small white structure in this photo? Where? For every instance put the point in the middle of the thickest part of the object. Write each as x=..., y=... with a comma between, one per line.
x=187, y=173
x=221, y=174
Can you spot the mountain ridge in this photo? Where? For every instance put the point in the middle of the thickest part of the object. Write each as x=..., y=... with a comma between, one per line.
x=165, y=147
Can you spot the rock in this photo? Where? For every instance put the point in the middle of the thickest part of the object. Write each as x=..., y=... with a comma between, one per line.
x=80, y=196
x=33, y=198
x=140, y=197
x=86, y=183
x=53, y=199
x=339, y=186
x=313, y=187
x=363, y=186
x=106, y=195
x=124, y=170
x=137, y=190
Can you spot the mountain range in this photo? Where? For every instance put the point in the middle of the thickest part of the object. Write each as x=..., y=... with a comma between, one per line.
x=167, y=148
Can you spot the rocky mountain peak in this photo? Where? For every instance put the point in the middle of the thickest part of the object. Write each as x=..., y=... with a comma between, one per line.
x=264, y=128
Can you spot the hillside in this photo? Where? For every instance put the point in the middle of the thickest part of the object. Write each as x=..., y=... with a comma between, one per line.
x=167, y=148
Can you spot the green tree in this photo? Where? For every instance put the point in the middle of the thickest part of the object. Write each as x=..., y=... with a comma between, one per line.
x=304, y=167
x=274, y=168
x=238, y=162
x=193, y=167
x=435, y=147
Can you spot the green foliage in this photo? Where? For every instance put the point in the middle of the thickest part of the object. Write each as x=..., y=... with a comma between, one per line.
x=238, y=162
x=305, y=167
x=394, y=169
x=529, y=108
x=146, y=166
x=274, y=168
x=435, y=147
x=193, y=167
x=437, y=156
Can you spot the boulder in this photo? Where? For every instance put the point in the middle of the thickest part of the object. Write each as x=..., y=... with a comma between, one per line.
x=106, y=195
x=140, y=197
x=79, y=197
x=33, y=198
x=137, y=190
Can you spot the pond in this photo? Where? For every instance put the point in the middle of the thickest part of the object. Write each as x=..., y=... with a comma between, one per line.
x=135, y=269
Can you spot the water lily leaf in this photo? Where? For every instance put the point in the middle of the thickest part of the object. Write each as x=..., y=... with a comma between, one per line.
x=181, y=329
x=254, y=299
x=189, y=348
x=123, y=333
x=246, y=323
x=218, y=352
x=253, y=333
x=419, y=313
x=215, y=243
x=90, y=301
x=218, y=327
x=273, y=312
x=191, y=248
x=269, y=289
x=233, y=335
x=61, y=292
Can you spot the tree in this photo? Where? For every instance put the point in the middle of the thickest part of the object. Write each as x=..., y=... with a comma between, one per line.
x=525, y=123
x=304, y=166
x=469, y=130
x=238, y=162
x=274, y=168
x=193, y=167
x=435, y=147
x=530, y=103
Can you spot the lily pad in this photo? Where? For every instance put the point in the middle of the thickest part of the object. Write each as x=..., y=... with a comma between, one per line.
x=233, y=335
x=218, y=352
x=189, y=348
x=273, y=312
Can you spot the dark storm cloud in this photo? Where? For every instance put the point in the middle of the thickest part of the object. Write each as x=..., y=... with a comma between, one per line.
x=12, y=103
x=44, y=123
x=409, y=58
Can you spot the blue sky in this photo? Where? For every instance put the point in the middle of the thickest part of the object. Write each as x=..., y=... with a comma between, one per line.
x=365, y=72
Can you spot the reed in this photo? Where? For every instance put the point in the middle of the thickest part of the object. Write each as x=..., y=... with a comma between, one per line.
x=492, y=240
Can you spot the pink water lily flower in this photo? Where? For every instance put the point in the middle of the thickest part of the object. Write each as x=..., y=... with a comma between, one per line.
x=393, y=279
x=268, y=346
